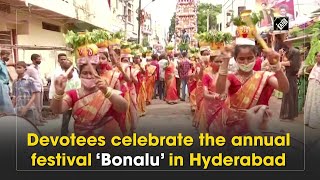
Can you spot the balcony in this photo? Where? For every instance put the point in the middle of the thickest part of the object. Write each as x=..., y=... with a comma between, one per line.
x=147, y=31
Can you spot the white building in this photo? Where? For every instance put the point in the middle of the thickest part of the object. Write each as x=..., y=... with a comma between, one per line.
x=39, y=25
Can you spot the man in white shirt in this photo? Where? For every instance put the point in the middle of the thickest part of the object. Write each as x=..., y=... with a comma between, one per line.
x=163, y=63
x=64, y=65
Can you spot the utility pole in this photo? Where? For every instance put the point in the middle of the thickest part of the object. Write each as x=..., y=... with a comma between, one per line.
x=139, y=22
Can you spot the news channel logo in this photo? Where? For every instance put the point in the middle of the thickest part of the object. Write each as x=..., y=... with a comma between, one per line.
x=281, y=24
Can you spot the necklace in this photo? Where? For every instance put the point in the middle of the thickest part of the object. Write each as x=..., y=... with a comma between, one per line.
x=243, y=79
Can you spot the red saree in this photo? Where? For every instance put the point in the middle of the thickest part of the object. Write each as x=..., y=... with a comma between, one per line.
x=133, y=108
x=124, y=118
x=212, y=106
x=255, y=91
x=171, y=88
x=200, y=116
x=93, y=114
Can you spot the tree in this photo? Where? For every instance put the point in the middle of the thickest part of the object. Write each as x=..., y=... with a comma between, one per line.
x=172, y=27
x=205, y=9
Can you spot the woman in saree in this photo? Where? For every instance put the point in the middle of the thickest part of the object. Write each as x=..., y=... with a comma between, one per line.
x=213, y=102
x=140, y=84
x=192, y=83
x=94, y=105
x=311, y=107
x=245, y=87
x=302, y=83
x=127, y=87
x=150, y=80
x=170, y=84
x=200, y=121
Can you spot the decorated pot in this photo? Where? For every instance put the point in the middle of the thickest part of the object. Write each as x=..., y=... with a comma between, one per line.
x=203, y=43
x=114, y=42
x=87, y=50
x=216, y=45
x=149, y=54
x=103, y=44
x=245, y=32
x=126, y=51
x=169, y=51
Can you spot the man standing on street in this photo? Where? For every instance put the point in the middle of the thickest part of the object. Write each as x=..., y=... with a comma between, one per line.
x=184, y=67
x=33, y=71
x=6, y=106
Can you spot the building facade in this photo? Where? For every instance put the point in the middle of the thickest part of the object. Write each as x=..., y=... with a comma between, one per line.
x=186, y=19
x=39, y=26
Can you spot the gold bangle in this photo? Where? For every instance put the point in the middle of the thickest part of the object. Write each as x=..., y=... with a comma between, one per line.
x=108, y=93
x=59, y=97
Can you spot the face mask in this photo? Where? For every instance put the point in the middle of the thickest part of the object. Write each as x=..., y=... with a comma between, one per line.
x=88, y=83
x=246, y=68
x=105, y=66
x=204, y=58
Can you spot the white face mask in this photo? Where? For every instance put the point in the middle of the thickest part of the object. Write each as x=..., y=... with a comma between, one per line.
x=246, y=67
x=204, y=58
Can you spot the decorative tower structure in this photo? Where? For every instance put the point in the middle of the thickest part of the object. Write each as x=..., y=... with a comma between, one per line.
x=186, y=20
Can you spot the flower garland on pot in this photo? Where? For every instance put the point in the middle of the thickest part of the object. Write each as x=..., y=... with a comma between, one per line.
x=84, y=45
x=243, y=30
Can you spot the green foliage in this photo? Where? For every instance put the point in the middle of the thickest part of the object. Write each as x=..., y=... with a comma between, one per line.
x=194, y=50
x=205, y=9
x=100, y=35
x=214, y=36
x=76, y=40
x=255, y=18
x=145, y=42
x=172, y=26
x=183, y=46
x=118, y=35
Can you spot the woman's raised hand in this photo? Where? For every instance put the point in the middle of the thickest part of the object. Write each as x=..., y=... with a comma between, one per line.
x=60, y=84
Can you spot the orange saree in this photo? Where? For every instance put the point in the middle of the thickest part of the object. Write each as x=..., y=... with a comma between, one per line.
x=151, y=78
x=255, y=91
x=93, y=114
x=141, y=90
x=171, y=88
x=192, y=84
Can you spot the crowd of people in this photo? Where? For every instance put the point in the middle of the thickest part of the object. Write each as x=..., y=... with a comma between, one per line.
x=108, y=93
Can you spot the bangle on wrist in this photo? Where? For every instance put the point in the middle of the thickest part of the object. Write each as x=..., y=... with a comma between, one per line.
x=275, y=67
x=109, y=93
x=59, y=97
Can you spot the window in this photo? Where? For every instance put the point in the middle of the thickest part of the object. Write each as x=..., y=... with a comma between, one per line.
x=130, y=13
x=51, y=27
